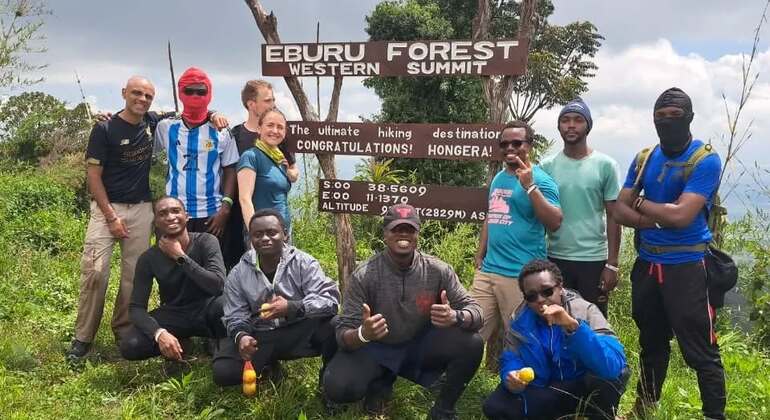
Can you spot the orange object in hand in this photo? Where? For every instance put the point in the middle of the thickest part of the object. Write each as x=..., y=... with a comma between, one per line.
x=249, y=379
x=526, y=374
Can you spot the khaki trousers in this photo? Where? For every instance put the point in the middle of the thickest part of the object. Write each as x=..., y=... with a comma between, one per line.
x=95, y=267
x=498, y=297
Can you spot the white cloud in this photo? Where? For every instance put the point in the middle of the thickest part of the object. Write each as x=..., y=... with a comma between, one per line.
x=622, y=95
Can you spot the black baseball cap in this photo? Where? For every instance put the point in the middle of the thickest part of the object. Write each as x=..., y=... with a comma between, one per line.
x=401, y=214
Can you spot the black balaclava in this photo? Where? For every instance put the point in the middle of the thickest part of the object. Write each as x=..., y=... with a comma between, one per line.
x=674, y=133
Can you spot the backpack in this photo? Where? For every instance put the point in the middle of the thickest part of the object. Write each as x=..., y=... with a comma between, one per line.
x=721, y=271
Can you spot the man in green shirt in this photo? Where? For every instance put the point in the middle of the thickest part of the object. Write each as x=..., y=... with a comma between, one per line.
x=587, y=245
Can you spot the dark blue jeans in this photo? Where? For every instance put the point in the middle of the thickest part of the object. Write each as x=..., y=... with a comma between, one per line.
x=589, y=396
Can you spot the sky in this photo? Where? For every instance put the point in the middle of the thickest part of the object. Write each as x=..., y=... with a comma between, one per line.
x=649, y=46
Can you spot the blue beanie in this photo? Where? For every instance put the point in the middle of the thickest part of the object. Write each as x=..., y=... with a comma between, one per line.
x=579, y=107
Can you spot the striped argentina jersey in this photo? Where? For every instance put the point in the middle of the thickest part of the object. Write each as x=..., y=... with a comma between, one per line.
x=195, y=160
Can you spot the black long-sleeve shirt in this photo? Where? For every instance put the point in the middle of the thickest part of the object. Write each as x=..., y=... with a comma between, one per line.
x=200, y=276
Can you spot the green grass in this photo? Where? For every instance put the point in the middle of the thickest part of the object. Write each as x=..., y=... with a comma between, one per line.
x=38, y=298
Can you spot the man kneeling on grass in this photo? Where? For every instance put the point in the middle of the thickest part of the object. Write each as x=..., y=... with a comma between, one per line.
x=405, y=314
x=190, y=273
x=561, y=356
x=278, y=305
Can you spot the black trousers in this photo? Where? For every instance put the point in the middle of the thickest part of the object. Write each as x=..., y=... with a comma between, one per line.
x=195, y=320
x=672, y=300
x=588, y=396
x=585, y=277
x=352, y=375
x=307, y=338
x=232, y=243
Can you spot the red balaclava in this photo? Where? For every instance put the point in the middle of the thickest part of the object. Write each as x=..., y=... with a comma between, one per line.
x=195, y=107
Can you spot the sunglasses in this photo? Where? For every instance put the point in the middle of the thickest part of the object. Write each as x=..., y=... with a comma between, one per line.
x=516, y=143
x=545, y=293
x=200, y=91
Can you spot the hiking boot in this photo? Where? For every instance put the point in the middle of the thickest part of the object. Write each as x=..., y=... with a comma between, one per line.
x=330, y=407
x=436, y=387
x=176, y=368
x=274, y=373
x=376, y=403
x=442, y=414
x=78, y=351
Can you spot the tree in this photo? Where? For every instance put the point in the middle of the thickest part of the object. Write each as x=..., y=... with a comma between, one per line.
x=560, y=60
x=428, y=99
x=35, y=124
x=20, y=35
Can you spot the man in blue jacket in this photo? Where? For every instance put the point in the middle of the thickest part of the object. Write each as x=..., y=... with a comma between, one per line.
x=578, y=362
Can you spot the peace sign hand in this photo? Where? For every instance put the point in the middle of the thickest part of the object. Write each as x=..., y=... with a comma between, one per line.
x=524, y=172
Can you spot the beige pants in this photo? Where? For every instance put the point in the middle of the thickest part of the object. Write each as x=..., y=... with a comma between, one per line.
x=498, y=297
x=95, y=267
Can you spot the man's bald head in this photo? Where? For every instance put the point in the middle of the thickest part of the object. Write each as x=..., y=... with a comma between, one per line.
x=138, y=93
x=139, y=81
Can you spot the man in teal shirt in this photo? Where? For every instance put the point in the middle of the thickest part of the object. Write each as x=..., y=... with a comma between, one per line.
x=523, y=203
x=587, y=245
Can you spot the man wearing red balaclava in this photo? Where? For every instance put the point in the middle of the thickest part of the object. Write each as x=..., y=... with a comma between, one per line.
x=195, y=92
x=201, y=159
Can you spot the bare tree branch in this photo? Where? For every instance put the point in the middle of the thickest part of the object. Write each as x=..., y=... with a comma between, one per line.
x=334, y=102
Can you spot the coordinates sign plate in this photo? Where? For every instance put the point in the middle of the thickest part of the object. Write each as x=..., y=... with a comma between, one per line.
x=418, y=141
x=462, y=204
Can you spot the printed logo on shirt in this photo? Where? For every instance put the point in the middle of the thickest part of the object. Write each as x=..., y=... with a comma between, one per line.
x=499, y=211
x=208, y=146
x=125, y=142
x=424, y=300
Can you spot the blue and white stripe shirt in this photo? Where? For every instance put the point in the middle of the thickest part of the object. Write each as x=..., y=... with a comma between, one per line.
x=195, y=160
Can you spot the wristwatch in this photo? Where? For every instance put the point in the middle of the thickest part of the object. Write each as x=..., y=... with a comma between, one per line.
x=459, y=318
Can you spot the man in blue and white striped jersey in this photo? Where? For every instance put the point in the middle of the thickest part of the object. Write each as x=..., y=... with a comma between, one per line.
x=201, y=159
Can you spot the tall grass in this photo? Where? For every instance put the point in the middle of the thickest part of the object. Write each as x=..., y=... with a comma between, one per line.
x=38, y=295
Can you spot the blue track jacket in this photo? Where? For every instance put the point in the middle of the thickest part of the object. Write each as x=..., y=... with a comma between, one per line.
x=556, y=356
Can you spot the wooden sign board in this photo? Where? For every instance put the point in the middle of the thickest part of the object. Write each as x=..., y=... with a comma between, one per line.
x=396, y=58
x=460, y=204
x=474, y=142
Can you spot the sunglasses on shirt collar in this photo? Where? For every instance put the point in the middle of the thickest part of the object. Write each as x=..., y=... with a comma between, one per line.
x=516, y=143
x=195, y=90
x=545, y=293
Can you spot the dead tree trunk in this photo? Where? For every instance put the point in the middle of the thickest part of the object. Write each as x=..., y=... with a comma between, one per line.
x=497, y=94
x=346, y=245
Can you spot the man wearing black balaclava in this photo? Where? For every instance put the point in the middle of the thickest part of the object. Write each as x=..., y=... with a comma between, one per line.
x=678, y=179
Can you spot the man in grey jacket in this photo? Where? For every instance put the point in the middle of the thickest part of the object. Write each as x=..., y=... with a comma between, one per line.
x=405, y=314
x=278, y=305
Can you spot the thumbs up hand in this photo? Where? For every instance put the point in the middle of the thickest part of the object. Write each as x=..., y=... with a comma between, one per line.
x=441, y=314
x=374, y=327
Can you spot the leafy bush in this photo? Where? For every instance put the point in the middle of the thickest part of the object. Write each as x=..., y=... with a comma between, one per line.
x=456, y=246
x=38, y=212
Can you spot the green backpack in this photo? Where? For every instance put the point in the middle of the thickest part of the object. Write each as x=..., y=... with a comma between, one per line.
x=717, y=216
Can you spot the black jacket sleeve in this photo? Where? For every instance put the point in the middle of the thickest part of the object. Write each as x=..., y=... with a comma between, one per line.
x=209, y=275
